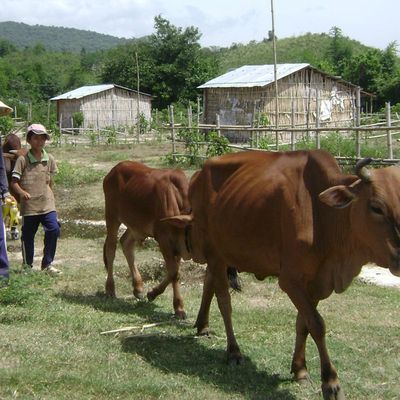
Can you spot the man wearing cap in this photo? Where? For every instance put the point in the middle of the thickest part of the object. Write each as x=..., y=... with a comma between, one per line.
x=32, y=181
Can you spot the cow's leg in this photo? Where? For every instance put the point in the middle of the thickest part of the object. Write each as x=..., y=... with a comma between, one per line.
x=299, y=368
x=109, y=248
x=220, y=281
x=330, y=383
x=128, y=247
x=172, y=265
x=202, y=320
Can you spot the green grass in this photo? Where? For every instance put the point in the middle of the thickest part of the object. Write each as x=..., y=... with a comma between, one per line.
x=71, y=176
x=51, y=346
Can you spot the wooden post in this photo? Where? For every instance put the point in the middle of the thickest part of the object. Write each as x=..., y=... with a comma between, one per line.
x=189, y=111
x=29, y=113
x=138, y=98
x=253, y=124
x=389, y=136
x=198, y=111
x=292, y=135
x=198, y=115
x=258, y=132
x=218, y=126
x=190, y=117
x=317, y=117
x=171, y=109
x=358, y=121
x=48, y=113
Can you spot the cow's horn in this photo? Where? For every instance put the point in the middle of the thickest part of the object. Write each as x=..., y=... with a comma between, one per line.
x=362, y=172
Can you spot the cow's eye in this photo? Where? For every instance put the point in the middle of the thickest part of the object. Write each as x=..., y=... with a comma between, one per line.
x=376, y=209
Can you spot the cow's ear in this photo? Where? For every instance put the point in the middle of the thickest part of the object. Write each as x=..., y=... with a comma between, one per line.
x=179, y=221
x=337, y=196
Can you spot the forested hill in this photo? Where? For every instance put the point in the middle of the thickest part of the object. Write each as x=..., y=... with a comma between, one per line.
x=312, y=48
x=56, y=38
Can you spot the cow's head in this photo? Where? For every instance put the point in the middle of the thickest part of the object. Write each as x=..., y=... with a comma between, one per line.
x=374, y=202
x=181, y=226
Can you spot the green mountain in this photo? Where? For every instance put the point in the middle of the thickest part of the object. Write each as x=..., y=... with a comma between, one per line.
x=56, y=38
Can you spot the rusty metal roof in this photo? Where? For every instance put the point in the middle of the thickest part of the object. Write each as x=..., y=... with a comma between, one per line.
x=89, y=90
x=253, y=75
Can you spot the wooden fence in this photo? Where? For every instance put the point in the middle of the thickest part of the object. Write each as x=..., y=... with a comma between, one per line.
x=254, y=137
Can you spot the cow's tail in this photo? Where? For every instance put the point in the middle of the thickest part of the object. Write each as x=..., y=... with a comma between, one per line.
x=234, y=280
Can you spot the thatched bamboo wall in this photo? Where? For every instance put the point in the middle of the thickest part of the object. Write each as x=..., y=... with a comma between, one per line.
x=300, y=91
x=111, y=108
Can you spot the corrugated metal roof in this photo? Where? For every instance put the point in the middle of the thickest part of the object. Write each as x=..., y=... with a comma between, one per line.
x=82, y=92
x=253, y=75
x=89, y=90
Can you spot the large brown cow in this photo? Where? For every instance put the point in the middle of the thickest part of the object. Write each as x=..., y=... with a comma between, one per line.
x=295, y=216
x=139, y=197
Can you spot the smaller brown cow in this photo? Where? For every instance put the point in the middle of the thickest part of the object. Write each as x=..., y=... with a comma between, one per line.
x=139, y=197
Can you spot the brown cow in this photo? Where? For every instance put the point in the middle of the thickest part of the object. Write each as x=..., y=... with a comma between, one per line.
x=139, y=197
x=295, y=216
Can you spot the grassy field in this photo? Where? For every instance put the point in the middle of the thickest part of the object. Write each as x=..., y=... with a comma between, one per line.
x=52, y=346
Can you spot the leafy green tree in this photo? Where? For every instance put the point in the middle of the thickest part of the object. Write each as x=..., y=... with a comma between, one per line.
x=376, y=71
x=6, y=47
x=339, y=50
x=171, y=64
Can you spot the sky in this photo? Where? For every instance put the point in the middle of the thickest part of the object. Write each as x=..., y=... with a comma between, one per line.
x=220, y=22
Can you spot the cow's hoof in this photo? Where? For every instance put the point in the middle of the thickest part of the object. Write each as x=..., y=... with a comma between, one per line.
x=302, y=377
x=138, y=294
x=180, y=314
x=151, y=296
x=110, y=294
x=332, y=392
x=205, y=331
x=235, y=359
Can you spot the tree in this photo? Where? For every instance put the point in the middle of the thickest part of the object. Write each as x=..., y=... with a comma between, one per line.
x=339, y=50
x=376, y=71
x=171, y=64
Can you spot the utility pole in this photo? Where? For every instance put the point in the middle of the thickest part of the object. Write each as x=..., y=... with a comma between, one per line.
x=275, y=75
x=138, y=98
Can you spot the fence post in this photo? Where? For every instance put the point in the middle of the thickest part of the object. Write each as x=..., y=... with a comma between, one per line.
x=317, y=124
x=171, y=109
x=218, y=125
x=258, y=132
x=358, y=121
x=253, y=124
x=292, y=134
x=389, y=135
x=48, y=113
x=190, y=117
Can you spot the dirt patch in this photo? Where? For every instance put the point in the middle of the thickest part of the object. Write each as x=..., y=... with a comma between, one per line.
x=379, y=276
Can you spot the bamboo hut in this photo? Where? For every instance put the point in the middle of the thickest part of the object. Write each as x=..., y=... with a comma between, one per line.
x=103, y=106
x=306, y=96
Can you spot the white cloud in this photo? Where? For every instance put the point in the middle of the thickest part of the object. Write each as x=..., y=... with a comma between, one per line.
x=220, y=22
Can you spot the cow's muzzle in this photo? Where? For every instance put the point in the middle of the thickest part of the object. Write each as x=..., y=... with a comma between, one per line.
x=394, y=268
